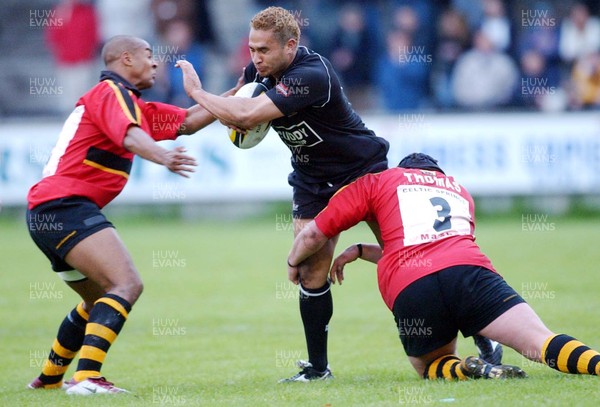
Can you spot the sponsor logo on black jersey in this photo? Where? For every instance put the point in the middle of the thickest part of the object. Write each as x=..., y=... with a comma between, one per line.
x=298, y=135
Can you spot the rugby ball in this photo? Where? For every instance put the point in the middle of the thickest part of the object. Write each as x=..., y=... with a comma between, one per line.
x=258, y=133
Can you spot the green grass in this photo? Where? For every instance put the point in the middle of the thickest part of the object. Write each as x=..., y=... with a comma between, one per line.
x=220, y=326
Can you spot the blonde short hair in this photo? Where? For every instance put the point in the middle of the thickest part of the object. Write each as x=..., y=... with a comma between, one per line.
x=278, y=19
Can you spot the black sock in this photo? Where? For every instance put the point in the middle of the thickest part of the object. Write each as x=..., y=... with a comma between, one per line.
x=104, y=324
x=566, y=354
x=316, y=309
x=66, y=345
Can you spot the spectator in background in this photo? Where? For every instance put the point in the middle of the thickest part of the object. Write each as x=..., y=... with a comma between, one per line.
x=406, y=19
x=195, y=13
x=539, y=32
x=130, y=17
x=185, y=29
x=415, y=17
x=484, y=78
x=536, y=47
x=165, y=11
x=174, y=22
x=453, y=39
x=495, y=24
x=204, y=32
x=238, y=59
x=472, y=10
x=74, y=46
x=350, y=55
x=579, y=34
x=586, y=82
x=540, y=84
x=402, y=73
x=180, y=44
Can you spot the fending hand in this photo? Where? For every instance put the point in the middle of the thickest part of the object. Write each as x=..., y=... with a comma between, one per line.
x=191, y=81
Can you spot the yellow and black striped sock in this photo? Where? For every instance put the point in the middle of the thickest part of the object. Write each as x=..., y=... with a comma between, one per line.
x=106, y=320
x=66, y=345
x=445, y=367
x=566, y=354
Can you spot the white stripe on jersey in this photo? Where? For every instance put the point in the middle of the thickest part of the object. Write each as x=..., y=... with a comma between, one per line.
x=64, y=138
x=328, y=75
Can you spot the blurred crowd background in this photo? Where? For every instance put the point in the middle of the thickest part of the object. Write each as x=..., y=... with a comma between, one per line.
x=392, y=55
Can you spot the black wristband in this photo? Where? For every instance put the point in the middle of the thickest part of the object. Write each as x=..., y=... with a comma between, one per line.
x=359, y=246
x=289, y=265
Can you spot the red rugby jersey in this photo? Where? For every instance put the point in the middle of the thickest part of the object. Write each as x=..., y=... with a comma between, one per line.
x=426, y=220
x=89, y=159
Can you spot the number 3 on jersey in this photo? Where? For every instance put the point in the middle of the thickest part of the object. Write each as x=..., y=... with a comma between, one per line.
x=429, y=214
x=443, y=213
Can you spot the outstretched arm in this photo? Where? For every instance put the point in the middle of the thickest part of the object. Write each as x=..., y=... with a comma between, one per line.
x=243, y=113
x=139, y=142
x=368, y=252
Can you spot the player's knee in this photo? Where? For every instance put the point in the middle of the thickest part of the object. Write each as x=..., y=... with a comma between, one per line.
x=129, y=293
x=313, y=278
x=137, y=290
x=129, y=289
x=134, y=290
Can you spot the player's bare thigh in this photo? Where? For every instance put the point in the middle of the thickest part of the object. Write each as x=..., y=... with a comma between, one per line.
x=314, y=270
x=103, y=259
x=521, y=329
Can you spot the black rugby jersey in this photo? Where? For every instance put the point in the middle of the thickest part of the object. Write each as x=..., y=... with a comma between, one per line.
x=328, y=140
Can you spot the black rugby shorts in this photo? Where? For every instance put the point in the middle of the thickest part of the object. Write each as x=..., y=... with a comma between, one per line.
x=430, y=311
x=311, y=198
x=58, y=225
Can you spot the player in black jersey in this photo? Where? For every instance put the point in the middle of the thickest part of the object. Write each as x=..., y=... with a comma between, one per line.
x=330, y=147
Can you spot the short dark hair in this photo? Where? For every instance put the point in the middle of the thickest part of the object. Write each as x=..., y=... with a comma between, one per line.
x=421, y=161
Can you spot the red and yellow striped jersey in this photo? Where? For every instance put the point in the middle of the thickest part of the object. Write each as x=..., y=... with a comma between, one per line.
x=89, y=159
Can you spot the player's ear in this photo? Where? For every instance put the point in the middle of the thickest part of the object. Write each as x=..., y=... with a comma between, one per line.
x=290, y=45
x=126, y=58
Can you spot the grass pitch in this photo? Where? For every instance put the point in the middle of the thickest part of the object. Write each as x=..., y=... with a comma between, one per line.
x=218, y=323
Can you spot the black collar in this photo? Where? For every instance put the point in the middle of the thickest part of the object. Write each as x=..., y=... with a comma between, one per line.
x=119, y=79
